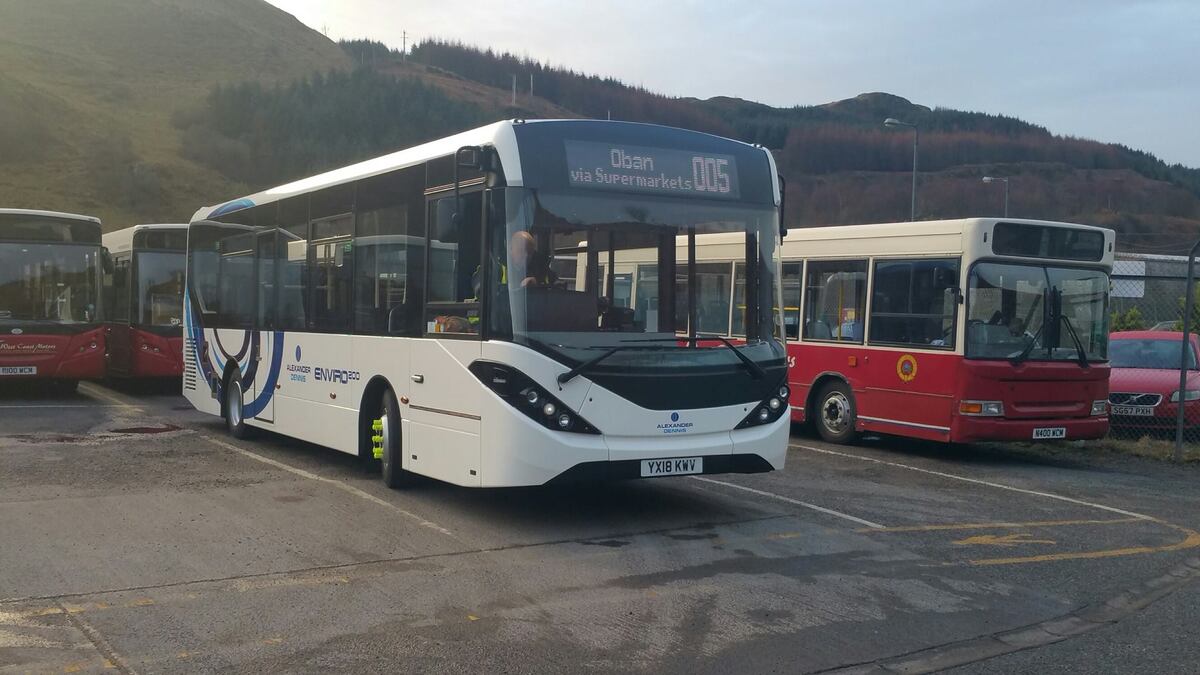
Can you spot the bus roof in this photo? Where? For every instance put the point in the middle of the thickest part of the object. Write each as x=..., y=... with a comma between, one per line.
x=500, y=135
x=121, y=240
x=49, y=214
x=923, y=237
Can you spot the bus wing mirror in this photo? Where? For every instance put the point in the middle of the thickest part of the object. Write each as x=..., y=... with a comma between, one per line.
x=957, y=293
x=469, y=157
x=106, y=261
x=782, y=205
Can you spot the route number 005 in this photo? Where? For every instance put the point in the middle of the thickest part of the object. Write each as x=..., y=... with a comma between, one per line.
x=710, y=174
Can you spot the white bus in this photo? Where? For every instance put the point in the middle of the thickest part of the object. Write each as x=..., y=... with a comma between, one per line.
x=445, y=309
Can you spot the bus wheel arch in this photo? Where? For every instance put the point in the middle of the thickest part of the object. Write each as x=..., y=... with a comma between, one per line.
x=832, y=409
x=381, y=404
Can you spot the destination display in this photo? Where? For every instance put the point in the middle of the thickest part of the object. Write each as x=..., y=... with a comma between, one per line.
x=629, y=168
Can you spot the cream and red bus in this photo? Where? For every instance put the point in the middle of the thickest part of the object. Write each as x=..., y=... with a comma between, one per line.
x=952, y=330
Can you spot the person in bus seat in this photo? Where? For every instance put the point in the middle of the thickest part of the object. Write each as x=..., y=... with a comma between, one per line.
x=523, y=263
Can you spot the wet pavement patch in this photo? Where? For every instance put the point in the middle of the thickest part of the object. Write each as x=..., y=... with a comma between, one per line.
x=147, y=430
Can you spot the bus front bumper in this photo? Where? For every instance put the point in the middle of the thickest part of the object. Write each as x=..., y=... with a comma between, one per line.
x=968, y=429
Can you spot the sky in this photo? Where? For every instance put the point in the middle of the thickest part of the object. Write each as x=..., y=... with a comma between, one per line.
x=1116, y=71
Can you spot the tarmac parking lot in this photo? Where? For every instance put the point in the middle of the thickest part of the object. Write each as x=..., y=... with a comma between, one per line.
x=136, y=536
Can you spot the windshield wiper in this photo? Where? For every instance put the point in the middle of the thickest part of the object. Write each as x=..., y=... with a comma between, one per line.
x=563, y=378
x=1020, y=358
x=1083, y=359
x=756, y=370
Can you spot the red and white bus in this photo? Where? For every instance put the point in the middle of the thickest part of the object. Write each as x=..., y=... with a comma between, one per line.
x=50, y=276
x=952, y=330
x=144, y=300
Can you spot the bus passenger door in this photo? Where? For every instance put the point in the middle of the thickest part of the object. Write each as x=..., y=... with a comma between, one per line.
x=117, y=341
x=441, y=422
x=265, y=321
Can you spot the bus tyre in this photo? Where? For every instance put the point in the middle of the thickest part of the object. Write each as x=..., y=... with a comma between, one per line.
x=836, y=413
x=390, y=465
x=234, y=413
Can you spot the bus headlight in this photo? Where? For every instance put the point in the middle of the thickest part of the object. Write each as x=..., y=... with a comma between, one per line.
x=529, y=398
x=981, y=408
x=768, y=410
x=1100, y=407
x=1188, y=395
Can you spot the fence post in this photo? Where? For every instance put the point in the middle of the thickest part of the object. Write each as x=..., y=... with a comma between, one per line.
x=1184, y=348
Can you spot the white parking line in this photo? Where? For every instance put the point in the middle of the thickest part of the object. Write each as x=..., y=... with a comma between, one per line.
x=72, y=405
x=965, y=479
x=423, y=522
x=797, y=502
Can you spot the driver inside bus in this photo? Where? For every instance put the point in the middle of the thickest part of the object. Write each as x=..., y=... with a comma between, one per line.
x=524, y=263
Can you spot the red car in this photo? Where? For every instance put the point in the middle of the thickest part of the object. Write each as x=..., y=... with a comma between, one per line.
x=1144, y=381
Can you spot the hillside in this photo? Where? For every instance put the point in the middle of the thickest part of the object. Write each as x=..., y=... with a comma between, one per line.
x=146, y=109
x=88, y=90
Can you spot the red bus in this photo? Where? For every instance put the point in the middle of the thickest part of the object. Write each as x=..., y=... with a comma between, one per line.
x=953, y=330
x=144, y=301
x=50, y=275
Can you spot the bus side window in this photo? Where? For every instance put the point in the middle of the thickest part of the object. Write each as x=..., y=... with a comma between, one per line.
x=913, y=302
x=836, y=294
x=291, y=262
x=330, y=258
x=385, y=287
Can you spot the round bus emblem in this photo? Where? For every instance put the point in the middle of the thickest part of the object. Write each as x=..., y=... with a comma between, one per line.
x=674, y=417
x=906, y=367
x=297, y=352
x=17, y=331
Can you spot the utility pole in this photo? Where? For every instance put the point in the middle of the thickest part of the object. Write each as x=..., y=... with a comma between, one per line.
x=531, y=88
x=403, y=46
x=514, y=91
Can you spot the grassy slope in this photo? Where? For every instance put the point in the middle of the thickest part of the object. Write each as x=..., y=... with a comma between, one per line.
x=86, y=75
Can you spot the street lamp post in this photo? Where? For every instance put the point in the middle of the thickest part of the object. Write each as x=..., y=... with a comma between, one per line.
x=893, y=122
x=994, y=179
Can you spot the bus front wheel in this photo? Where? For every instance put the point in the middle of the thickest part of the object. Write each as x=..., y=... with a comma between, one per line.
x=837, y=414
x=390, y=464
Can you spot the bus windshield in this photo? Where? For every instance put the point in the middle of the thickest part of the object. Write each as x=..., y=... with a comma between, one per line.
x=159, y=299
x=1031, y=312
x=578, y=275
x=48, y=282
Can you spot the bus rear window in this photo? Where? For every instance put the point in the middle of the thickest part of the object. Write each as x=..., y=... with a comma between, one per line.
x=1045, y=241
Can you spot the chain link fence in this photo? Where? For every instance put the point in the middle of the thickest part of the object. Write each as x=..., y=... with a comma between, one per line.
x=1146, y=350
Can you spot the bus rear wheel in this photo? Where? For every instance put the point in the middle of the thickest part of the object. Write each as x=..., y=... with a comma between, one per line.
x=390, y=464
x=234, y=413
x=837, y=415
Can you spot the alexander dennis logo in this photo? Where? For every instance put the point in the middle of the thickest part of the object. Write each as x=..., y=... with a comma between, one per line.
x=299, y=372
x=675, y=426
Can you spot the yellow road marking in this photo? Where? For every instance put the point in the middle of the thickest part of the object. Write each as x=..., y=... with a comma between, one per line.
x=472, y=617
x=273, y=641
x=1001, y=525
x=1191, y=541
x=100, y=393
x=1001, y=540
